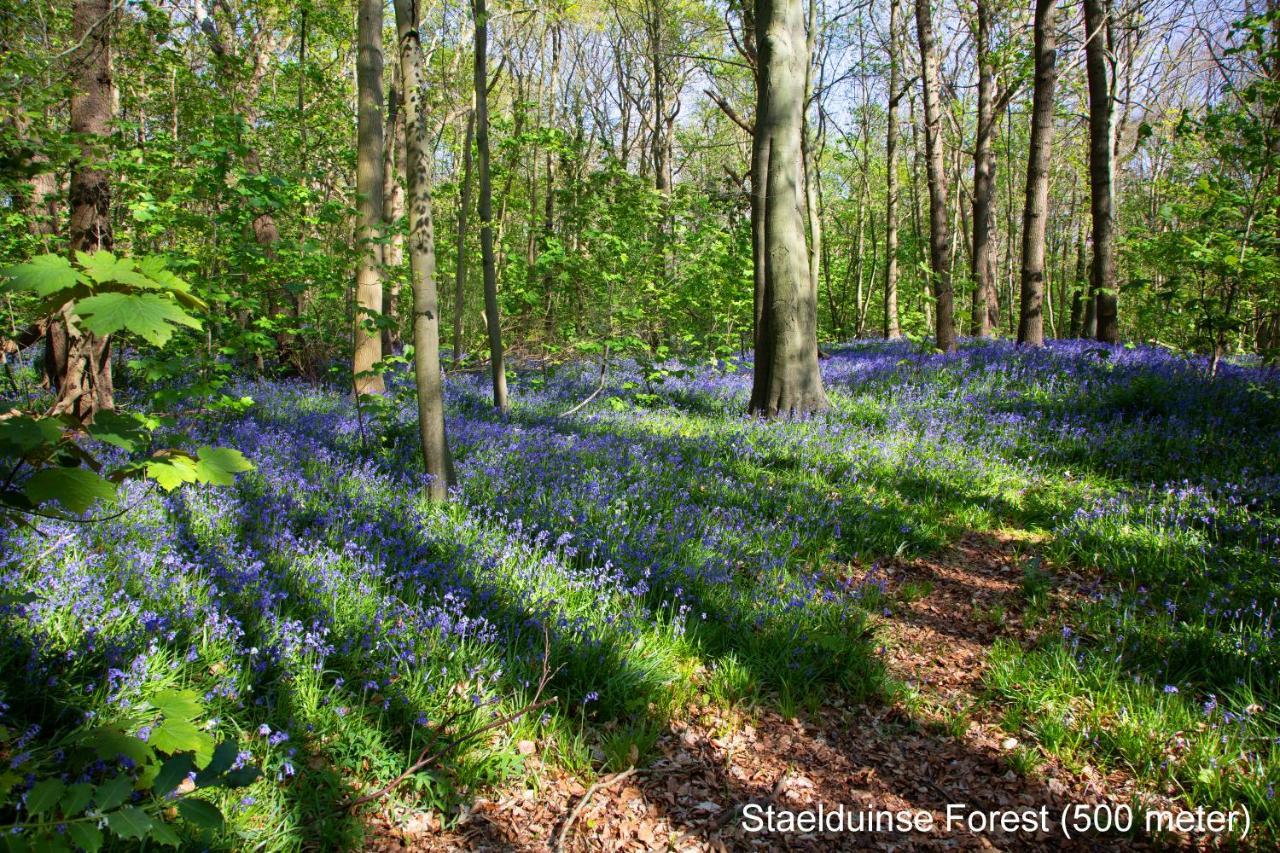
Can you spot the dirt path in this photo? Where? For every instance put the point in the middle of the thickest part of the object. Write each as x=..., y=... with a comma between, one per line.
x=945, y=614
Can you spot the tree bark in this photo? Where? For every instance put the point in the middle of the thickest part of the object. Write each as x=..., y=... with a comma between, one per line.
x=460, y=268
x=422, y=260
x=939, y=231
x=985, y=310
x=492, y=319
x=393, y=208
x=1035, y=213
x=369, y=201
x=1097, y=24
x=77, y=362
x=786, y=380
x=891, y=327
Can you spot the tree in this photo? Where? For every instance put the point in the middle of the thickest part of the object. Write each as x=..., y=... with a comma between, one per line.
x=891, y=328
x=983, y=261
x=460, y=268
x=786, y=380
x=422, y=258
x=1035, y=212
x=485, y=205
x=939, y=229
x=392, y=211
x=369, y=201
x=78, y=362
x=1097, y=50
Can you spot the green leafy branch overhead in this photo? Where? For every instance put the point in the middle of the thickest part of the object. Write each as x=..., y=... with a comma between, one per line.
x=109, y=294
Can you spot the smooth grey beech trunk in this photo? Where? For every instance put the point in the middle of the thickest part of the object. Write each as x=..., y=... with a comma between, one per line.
x=493, y=320
x=935, y=168
x=1097, y=60
x=422, y=259
x=786, y=380
x=1035, y=213
x=369, y=202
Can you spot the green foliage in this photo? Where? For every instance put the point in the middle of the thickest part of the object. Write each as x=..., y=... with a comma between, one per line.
x=126, y=784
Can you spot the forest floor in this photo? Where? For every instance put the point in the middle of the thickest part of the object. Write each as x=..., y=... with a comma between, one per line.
x=938, y=745
x=1000, y=580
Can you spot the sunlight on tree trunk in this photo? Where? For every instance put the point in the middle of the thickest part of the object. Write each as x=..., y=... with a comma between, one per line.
x=77, y=362
x=1035, y=212
x=939, y=229
x=422, y=259
x=786, y=380
x=369, y=202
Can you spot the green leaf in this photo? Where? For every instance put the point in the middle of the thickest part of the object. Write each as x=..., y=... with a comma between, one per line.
x=147, y=315
x=106, y=268
x=86, y=836
x=74, y=488
x=109, y=743
x=44, y=796
x=201, y=813
x=219, y=465
x=21, y=435
x=241, y=778
x=76, y=798
x=44, y=275
x=173, y=736
x=224, y=755
x=178, y=704
x=123, y=430
x=162, y=833
x=172, y=471
x=173, y=772
x=112, y=793
x=130, y=822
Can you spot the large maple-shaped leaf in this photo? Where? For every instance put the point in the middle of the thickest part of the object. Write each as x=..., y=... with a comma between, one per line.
x=74, y=488
x=147, y=315
x=43, y=275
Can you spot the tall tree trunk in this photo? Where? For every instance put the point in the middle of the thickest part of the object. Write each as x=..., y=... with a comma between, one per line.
x=983, y=258
x=492, y=319
x=77, y=362
x=1097, y=51
x=891, y=328
x=1079, y=286
x=392, y=210
x=460, y=268
x=369, y=202
x=786, y=380
x=939, y=232
x=1035, y=213
x=422, y=259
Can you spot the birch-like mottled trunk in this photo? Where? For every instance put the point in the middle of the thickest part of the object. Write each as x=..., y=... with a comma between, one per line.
x=1035, y=213
x=422, y=259
x=392, y=209
x=939, y=231
x=786, y=380
x=369, y=202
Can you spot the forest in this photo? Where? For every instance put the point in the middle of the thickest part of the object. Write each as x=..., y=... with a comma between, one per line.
x=639, y=425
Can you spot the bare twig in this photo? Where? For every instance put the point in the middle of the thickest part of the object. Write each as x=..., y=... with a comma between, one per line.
x=586, y=798
x=604, y=366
